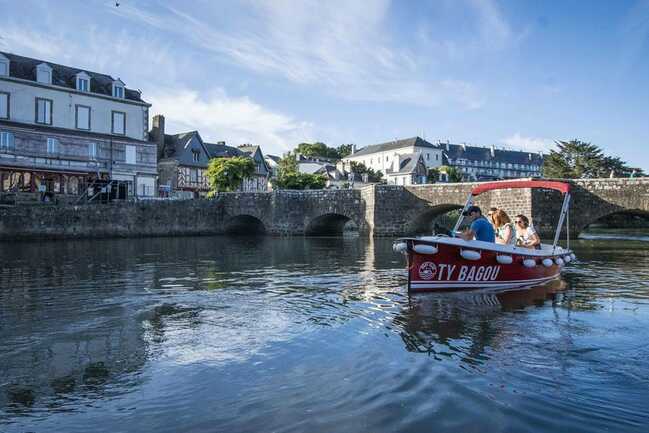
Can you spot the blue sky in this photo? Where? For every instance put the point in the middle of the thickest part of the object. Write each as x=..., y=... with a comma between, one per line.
x=518, y=74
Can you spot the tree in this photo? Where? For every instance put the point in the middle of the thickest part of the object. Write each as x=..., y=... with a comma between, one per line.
x=359, y=169
x=577, y=159
x=226, y=174
x=344, y=150
x=453, y=174
x=289, y=177
x=317, y=149
x=300, y=181
x=432, y=175
x=321, y=150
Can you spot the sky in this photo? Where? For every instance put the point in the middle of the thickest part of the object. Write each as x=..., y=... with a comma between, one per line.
x=517, y=74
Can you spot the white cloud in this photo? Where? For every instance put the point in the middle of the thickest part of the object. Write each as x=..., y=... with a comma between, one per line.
x=344, y=48
x=236, y=120
x=214, y=114
x=531, y=144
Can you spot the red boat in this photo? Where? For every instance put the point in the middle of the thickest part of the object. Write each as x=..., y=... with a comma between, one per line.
x=442, y=262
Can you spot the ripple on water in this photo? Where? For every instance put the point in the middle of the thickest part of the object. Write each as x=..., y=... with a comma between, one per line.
x=319, y=335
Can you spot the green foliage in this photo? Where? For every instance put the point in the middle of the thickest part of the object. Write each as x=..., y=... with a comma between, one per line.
x=300, y=181
x=432, y=175
x=226, y=174
x=288, y=176
x=576, y=159
x=453, y=173
x=344, y=150
x=321, y=150
x=359, y=169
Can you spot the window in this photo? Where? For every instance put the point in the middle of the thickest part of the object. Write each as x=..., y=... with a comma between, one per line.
x=119, y=122
x=92, y=151
x=4, y=68
x=118, y=92
x=195, y=156
x=130, y=154
x=4, y=105
x=52, y=145
x=7, y=141
x=82, y=117
x=44, y=74
x=44, y=111
x=193, y=175
x=83, y=84
x=437, y=157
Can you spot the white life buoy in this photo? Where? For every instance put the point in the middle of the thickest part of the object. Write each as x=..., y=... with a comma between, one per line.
x=567, y=258
x=547, y=262
x=573, y=257
x=425, y=249
x=470, y=254
x=529, y=263
x=559, y=261
x=504, y=259
x=400, y=247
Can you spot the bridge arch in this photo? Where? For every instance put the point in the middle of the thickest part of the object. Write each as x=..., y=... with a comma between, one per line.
x=438, y=218
x=330, y=224
x=244, y=224
x=618, y=219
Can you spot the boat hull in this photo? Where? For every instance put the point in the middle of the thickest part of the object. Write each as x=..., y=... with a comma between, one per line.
x=452, y=264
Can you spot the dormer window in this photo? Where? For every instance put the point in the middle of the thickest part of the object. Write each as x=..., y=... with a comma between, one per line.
x=83, y=82
x=44, y=73
x=4, y=66
x=118, y=89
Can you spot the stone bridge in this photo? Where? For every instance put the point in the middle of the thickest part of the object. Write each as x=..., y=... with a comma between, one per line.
x=382, y=210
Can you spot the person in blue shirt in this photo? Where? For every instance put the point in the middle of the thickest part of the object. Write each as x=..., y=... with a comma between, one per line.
x=481, y=229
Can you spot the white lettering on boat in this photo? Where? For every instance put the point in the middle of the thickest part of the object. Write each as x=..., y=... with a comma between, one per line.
x=446, y=272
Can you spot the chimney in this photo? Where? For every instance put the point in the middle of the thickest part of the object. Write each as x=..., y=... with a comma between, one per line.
x=529, y=156
x=353, y=149
x=493, y=151
x=464, y=146
x=448, y=145
x=157, y=133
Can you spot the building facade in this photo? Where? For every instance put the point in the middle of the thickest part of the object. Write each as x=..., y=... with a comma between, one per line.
x=64, y=130
x=385, y=158
x=183, y=160
x=490, y=163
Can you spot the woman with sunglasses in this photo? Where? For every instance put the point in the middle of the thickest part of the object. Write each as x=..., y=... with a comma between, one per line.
x=525, y=233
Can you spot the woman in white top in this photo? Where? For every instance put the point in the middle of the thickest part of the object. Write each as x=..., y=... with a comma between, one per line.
x=505, y=232
x=526, y=236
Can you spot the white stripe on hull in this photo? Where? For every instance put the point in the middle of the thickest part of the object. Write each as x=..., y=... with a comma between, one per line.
x=479, y=284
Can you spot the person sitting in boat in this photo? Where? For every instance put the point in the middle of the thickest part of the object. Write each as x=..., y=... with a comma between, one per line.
x=490, y=216
x=481, y=229
x=505, y=231
x=526, y=236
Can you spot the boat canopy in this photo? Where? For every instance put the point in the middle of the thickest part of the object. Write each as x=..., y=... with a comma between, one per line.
x=546, y=184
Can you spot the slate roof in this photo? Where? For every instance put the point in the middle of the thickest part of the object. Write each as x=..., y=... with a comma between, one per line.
x=408, y=163
x=475, y=153
x=273, y=158
x=396, y=144
x=219, y=150
x=65, y=76
x=174, y=143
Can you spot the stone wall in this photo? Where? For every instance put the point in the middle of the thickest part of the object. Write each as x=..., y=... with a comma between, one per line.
x=385, y=210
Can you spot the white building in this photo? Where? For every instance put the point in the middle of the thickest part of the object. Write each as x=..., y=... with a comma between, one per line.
x=64, y=130
x=388, y=158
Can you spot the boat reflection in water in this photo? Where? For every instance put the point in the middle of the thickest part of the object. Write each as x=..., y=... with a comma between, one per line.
x=435, y=322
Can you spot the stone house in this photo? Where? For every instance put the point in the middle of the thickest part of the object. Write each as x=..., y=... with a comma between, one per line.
x=65, y=130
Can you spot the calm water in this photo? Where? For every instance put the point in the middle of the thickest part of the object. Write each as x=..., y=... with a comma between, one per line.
x=317, y=335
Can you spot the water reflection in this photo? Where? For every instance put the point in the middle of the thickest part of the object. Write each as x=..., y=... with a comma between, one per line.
x=89, y=328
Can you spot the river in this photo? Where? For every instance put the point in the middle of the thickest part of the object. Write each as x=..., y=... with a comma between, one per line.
x=304, y=334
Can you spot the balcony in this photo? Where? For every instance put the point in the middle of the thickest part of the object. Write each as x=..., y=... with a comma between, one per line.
x=50, y=161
